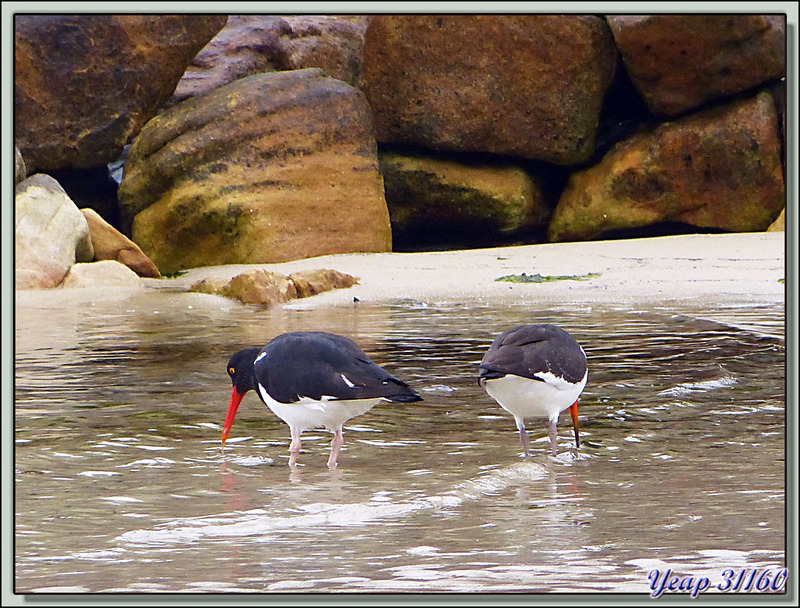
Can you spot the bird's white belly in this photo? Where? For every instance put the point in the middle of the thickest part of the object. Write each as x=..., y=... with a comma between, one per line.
x=308, y=414
x=524, y=397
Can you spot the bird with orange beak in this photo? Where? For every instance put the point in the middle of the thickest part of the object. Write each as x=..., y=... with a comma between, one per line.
x=311, y=380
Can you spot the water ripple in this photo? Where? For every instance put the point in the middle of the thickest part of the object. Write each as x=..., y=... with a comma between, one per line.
x=260, y=522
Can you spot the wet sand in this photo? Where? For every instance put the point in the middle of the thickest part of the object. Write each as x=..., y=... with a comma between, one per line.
x=724, y=268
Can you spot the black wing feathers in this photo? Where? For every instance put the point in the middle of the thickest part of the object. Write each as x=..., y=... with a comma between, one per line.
x=528, y=350
x=319, y=364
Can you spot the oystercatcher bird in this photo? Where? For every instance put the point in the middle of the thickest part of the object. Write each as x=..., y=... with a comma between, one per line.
x=312, y=379
x=535, y=370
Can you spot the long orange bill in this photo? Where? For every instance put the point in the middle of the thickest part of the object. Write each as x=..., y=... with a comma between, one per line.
x=573, y=411
x=236, y=399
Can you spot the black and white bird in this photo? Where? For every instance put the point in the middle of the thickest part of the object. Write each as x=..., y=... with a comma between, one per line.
x=536, y=370
x=311, y=380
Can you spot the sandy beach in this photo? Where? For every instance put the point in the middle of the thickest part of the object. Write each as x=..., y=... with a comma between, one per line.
x=723, y=268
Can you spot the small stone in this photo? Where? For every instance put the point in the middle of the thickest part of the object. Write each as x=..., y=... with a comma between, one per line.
x=212, y=285
x=260, y=287
x=106, y=273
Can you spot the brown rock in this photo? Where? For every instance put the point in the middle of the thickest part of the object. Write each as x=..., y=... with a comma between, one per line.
x=439, y=202
x=261, y=287
x=311, y=282
x=523, y=85
x=265, y=288
x=244, y=47
x=136, y=260
x=213, y=285
x=715, y=169
x=778, y=91
x=678, y=62
x=255, y=44
x=85, y=84
x=270, y=168
x=110, y=244
x=334, y=44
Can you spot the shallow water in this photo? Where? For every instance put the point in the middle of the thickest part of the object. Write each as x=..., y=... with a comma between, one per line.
x=121, y=484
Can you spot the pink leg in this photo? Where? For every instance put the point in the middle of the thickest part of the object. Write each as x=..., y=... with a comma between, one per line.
x=336, y=444
x=523, y=435
x=294, y=448
x=553, y=432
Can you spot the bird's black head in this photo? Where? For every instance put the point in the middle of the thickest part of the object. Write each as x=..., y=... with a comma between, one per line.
x=240, y=369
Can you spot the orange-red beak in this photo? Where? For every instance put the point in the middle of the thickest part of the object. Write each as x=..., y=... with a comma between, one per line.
x=573, y=411
x=236, y=399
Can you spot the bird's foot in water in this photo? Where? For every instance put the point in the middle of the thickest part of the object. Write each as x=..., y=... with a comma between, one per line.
x=568, y=457
x=563, y=459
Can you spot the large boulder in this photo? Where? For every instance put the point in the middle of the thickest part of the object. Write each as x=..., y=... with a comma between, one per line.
x=50, y=233
x=85, y=84
x=679, y=62
x=270, y=168
x=436, y=202
x=110, y=244
x=524, y=85
x=717, y=169
x=254, y=44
